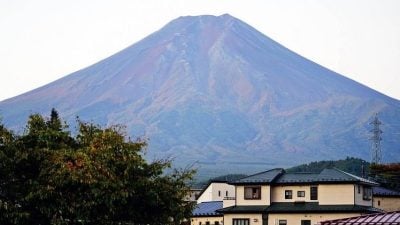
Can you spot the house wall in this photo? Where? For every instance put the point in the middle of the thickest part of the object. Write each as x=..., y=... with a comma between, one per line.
x=222, y=188
x=328, y=194
x=295, y=219
x=228, y=202
x=216, y=192
x=336, y=194
x=255, y=219
x=387, y=204
x=278, y=193
x=204, y=220
x=265, y=196
x=206, y=196
x=358, y=193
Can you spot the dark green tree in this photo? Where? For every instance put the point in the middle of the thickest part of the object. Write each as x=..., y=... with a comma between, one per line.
x=351, y=165
x=97, y=177
x=388, y=175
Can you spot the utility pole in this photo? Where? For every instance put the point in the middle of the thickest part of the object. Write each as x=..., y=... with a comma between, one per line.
x=376, y=140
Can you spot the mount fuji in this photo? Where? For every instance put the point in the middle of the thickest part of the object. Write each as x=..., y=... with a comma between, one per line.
x=214, y=90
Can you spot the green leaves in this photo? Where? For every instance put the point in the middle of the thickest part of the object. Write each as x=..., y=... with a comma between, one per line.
x=97, y=177
x=388, y=175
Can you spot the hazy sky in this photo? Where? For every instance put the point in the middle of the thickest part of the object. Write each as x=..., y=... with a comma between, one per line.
x=43, y=40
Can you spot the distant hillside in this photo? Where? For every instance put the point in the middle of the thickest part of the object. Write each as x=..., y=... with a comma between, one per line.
x=350, y=165
x=214, y=91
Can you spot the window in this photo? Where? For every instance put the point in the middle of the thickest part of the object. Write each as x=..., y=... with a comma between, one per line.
x=301, y=193
x=219, y=193
x=207, y=222
x=305, y=222
x=216, y=223
x=240, y=221
x=282, y=222
x=252, y=192
x=288, y=194
x=200, y=223
x=358, y=189
x=314, y=193
x=367, y=193
x=379, y=202
x=226, y=193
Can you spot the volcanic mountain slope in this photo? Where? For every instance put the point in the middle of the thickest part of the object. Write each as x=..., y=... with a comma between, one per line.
x=215, y=90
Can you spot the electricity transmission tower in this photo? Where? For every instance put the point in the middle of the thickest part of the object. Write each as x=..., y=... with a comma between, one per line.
x=376, y=140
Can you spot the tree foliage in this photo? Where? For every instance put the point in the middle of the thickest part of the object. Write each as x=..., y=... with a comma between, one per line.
x=388, y=175
x=48, y=176
x=351, y=165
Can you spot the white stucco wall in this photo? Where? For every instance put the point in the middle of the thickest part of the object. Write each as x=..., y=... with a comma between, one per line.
x=217, y=192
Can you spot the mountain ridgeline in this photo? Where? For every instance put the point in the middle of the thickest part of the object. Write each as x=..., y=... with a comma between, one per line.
x=351, y=165
x=215, y=91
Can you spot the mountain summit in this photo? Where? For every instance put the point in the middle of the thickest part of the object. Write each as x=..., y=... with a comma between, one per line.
x=212, y=89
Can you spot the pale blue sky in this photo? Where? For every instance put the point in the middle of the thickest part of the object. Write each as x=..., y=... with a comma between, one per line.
x=43, y=40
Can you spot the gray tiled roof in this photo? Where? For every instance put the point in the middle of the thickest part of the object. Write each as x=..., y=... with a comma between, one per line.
x=279, y=176
x=207, y=208
x=326, y=176
x=335, y=174
x=297, y=178
x=381, y=191
x=292, y=207
x=264, y=177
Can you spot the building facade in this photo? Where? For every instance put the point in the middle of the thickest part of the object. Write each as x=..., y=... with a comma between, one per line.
x=386, y=199
x=216, y=191
x=276, y=197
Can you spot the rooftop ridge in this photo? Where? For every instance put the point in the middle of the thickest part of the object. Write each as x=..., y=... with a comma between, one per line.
x=301, y=173
x=280, y=176
x=264, y=172
x=355, y=177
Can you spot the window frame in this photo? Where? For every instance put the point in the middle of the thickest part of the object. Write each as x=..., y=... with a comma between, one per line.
x=252, y=197
x=282, y=222
x=314, y=194
x=367, y=193
x=287, y=196
x=241, y=219
x=303, y=195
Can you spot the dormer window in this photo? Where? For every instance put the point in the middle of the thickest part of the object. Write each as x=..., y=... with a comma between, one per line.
x=252, y=192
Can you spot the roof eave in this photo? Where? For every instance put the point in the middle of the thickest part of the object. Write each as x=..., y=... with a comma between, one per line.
x=205, y=215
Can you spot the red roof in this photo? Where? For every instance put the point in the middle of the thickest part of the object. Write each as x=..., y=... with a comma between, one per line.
x=389, y=218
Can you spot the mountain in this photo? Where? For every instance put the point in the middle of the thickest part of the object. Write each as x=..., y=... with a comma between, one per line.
x=358, y=167
x=213, y=90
